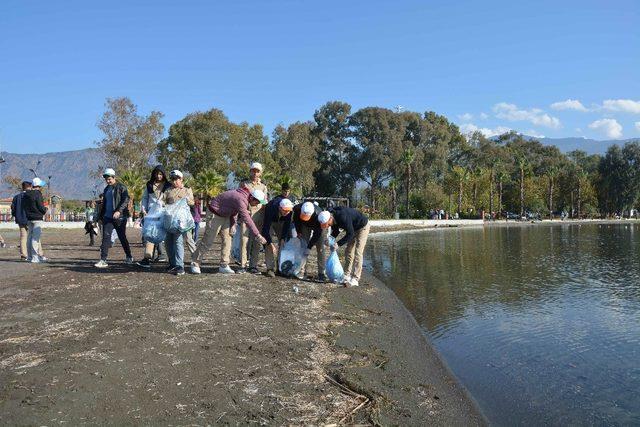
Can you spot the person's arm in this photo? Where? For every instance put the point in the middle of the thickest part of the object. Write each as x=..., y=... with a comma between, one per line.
x=40, y=204
x=286, y=227
x=13, y=206
x=243, y=212
x=348, y=228
x=317, y=232
x=190, y=200
x=266, y=225
x=124, y=201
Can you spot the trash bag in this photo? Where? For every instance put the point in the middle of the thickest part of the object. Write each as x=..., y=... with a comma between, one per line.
x=290, y=256
x=153, y=229
x=333, y=268
x=178, y=218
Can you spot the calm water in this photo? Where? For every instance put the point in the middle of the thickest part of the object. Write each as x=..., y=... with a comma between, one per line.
x=541, y=323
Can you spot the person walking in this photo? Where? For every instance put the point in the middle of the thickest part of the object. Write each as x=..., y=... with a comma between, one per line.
x=225, y=208
x=17, y=211
x=356, y=227
x=196, y=212
x=305, y=221
x=248, y=243
x=277, y=224
x=153, y=197
x=90, y=224
x=34, y=210
x=113, y=214
x=175, y=240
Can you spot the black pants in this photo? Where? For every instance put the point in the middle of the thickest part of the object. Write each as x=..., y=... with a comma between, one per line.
x=107, y=228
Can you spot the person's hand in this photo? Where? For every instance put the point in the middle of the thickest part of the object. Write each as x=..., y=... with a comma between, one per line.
x=274, y=247
x=116, y=215
x=262, y=240
x=232, y=230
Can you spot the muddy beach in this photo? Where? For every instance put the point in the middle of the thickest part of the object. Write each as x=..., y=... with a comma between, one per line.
x=124, y=346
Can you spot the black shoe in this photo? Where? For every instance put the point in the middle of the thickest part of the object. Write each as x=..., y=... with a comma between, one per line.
x=160, y=259
x=322, y=278
x=145, y=263
x=178, y=271
x=254, y=270
x=171, y=269
x=269, y=273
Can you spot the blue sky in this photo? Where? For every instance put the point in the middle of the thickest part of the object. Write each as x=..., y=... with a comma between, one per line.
x=490, y=65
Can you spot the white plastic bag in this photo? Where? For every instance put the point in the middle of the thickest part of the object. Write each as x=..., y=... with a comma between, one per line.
x=291, y=256
x=178, y=218
x=153, y=230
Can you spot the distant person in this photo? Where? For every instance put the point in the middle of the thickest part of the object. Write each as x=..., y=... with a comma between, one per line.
x=34, y=210
x=277, y=221
x=356, y=227
x=175, y=240
x=17, y=211
x=248, y=243
x=305, y=221
x=153, y=197
x=196, y=212
x=113, y=214
x=90, y=224
x=225, y=208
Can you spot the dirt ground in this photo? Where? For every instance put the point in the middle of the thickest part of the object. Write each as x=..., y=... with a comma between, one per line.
x=124, y=346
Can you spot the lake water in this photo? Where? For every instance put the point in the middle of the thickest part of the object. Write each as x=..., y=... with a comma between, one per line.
x=541, y=323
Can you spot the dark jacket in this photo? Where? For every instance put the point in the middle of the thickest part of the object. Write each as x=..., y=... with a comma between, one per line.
x=33, y=206
x=120, y=201
x=348, y=219
x=271, y=215
x=17, y=210
x=313, y=224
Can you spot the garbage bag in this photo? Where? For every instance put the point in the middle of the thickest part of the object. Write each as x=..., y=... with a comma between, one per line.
x=178, y=218
x=153, y=229
x=290, y=257
x=333, y=268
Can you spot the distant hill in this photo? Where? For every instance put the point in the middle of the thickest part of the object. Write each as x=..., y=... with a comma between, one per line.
x=591, y=146
x=70, y=171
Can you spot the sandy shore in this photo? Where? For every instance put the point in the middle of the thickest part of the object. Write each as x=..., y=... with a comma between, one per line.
x=124, y=346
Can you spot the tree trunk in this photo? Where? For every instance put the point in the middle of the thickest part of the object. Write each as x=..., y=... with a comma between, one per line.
x=500, y=207
x=460, y=189
x=579, y=202
x=521, y=191
x=573, y=210
x=551, y=198
x=408, y=189
x=491, y=195
x=475, y=195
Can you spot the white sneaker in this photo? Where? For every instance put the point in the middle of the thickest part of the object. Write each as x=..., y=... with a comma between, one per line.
x=346, y=279
x=353, y=282
x=225, y=269
x=129, y=260
x=101, y=264
x=195, y=268
x=35, y=259
x=43, y=259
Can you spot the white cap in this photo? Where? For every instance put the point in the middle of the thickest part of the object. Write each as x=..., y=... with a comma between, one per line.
x=259, y=195
x=323, y=217
x=286, y=204
x=307, y=210
x=256, y=165
x=108, y=172
x=175, y=173
x=37, y=182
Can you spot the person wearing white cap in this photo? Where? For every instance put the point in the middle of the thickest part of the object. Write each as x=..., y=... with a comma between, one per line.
x=34, y=209
x=175, y=241
x=356, y=227
x=248, y=245
x=305, y=221
x=113, y=214
x=225, y=207
x=277, y=221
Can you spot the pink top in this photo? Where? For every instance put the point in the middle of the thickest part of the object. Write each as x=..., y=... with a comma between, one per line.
x=232, y=203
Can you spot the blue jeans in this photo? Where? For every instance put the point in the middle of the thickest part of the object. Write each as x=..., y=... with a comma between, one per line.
x=195, y=231
x=34, y=249
x=174, y=243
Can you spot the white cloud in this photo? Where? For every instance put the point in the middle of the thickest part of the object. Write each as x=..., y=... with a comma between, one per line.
x=610, y=127
x=469, y=128
x=579, y=130
x=484, y=116
x=466, y=117
x=569, y=104
x=536, y=116
x=624, y=105
x=637, y=126
x=534, y=133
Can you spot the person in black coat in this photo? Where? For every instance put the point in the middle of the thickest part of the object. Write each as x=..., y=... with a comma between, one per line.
x=34, y=209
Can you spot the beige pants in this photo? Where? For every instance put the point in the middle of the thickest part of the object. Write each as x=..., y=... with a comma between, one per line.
x=249, y=243
x=216, y=225
x=306, y=235
x=24, y=231
x=271, y=253
x=353, y=264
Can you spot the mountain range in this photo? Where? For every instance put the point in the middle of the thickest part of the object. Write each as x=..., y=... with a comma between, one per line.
x=71, y=172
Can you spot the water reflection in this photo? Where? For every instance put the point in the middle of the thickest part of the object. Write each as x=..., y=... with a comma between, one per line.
x=541, y=322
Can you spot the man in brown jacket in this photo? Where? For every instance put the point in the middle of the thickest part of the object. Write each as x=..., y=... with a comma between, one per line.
x=249, y=244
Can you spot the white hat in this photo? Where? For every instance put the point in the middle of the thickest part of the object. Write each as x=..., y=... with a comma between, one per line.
x=286, y=205
x=175, y=173
x=259, y=195
x=256, y=165
x=108, y=172
x=323, y=217
x=37, y=182
x=307, y=210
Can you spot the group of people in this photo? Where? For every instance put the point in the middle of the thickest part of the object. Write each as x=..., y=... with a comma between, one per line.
x=261, y=223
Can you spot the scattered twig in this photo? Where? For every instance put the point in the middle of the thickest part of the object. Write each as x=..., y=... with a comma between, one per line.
x=346, y=390
x=220, y=417
x=256, y=331
x=245, y=313
x=354, y=410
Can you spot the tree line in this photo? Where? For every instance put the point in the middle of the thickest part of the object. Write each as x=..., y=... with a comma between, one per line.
x=385, y=161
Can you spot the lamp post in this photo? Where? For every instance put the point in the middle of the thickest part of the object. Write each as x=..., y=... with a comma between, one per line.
x=53, y=212
x=34, y=170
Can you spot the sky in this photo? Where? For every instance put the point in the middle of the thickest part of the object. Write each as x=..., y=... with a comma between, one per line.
x=544, y=68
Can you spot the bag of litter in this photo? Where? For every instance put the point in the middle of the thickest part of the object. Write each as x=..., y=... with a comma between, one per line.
x=178, y=218
x=290, y=257
x=333, y=268
x=153, y=230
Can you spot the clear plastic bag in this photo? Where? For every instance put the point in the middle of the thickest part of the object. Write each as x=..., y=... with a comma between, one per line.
x=153, y=229
x=333, y=268
x=290, y=257
x=178, y=218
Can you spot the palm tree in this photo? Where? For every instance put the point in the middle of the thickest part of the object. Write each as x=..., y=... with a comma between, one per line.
x=208, y=183
x=134, y=180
